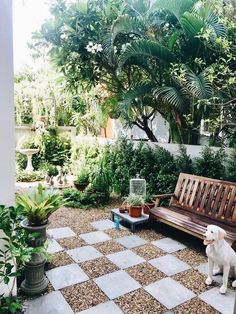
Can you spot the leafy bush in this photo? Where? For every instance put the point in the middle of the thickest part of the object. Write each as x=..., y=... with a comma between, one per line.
x=26, y=176
x=231, y=167
x=183, y=161
x=211, y=163
x=134, y=200
x=14, y=250
x=78, y=199
x=54, y=149
x=46, y=167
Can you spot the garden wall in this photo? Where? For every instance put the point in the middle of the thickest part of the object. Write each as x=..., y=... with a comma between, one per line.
x=23, y=131
x=192, y=150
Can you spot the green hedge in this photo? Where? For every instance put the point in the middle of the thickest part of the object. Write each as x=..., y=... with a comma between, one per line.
x=124, y=159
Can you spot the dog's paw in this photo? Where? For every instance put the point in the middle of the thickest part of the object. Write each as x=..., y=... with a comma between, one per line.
x=223, y=289
x=234, y=284
x=208, y=281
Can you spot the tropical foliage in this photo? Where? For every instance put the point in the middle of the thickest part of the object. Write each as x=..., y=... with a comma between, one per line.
x=173, y=57
x=39, y=204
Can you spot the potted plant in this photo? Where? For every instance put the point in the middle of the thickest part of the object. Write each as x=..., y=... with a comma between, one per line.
x=134, y=205
x=37, y=207
x=149, y=203
x=82, y=180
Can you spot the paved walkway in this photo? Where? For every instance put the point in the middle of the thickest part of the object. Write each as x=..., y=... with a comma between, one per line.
x=112, y=272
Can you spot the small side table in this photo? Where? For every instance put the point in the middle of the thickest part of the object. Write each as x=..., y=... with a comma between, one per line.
x=133, y=221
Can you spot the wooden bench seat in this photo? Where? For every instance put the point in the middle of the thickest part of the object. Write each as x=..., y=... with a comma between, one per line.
x=198, y=202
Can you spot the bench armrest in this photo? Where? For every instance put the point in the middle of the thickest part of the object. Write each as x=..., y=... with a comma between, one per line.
x=158, y=198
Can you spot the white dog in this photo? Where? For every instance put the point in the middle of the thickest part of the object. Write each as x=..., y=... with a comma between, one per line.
x=220, y=253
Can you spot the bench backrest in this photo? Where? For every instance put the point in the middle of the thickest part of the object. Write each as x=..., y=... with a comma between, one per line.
x=206, y=196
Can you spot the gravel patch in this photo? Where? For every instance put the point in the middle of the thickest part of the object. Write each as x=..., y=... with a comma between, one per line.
x=71, y=243
x=59, y=259
x=192, y=280
x=98, y=267
x=150, y=235
x=139, y=302
x=145, y=273
x=148, y=251
x=191, y=257
x=83, y=296
x=114, y=234
x=195, y=306
x=109, y=247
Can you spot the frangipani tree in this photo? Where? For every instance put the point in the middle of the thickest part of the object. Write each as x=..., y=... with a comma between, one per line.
x=152, y=56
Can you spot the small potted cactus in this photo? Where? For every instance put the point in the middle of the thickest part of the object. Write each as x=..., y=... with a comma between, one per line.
x=134, y=205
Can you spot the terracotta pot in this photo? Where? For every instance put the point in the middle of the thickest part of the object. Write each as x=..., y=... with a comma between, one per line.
x=135, y=211
x=148, y=206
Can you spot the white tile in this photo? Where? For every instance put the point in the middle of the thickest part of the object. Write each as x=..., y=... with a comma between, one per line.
x=64, y=276
x=95, y=237
x=84, y=253
x=169, y=292
x=169, y=264
x=116, y=284
x=52, y=303
x=104, y=308
x=222, y=303
x=131, y=241
x=169, y=245
x=59, y=233
x=125, y=259
x=103, y=224
x=203, y=269
x=54, y=246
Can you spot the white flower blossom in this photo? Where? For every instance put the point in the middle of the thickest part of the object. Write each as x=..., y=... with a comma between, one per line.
x=93, y=48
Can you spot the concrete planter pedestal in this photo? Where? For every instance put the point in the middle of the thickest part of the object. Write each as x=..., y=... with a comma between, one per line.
x=35, y=281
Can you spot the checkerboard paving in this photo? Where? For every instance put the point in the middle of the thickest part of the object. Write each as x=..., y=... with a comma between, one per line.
x=125, y=274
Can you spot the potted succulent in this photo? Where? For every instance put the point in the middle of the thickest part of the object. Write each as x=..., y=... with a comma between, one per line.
x=149, y=203
x=82, y=180
x=134, y=205
x=37, y=207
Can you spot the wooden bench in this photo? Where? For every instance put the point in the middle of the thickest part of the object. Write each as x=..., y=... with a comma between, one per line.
x=198, y=202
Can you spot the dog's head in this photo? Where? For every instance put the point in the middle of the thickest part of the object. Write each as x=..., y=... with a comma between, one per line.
x=213, y=234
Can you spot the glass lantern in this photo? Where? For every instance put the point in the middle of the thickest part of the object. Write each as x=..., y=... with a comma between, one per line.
x=137, y=186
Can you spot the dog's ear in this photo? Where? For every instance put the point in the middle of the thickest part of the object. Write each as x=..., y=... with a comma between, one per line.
x=221, y=234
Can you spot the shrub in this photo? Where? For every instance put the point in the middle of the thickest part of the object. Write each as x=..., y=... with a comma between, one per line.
x=210, y=164
x=78, y=199
x=54, y=149
x=46, y=167
x=183, y=161
x=26, y=176
x=231, y=167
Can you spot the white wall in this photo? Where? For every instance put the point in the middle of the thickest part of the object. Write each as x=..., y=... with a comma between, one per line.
x=159, y=127
x=7, y=136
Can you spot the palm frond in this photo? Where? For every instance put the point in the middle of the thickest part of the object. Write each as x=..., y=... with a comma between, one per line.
x=148, y=48
x=175, y=7
x=136, y=91
x=172, y=96
x=126, y=24
x=198, y=86
x=192, y=24
x=213, y=23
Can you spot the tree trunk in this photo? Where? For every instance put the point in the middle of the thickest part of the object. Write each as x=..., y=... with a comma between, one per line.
x=143, y=125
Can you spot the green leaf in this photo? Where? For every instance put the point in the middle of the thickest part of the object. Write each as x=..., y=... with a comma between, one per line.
x=148, y=48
